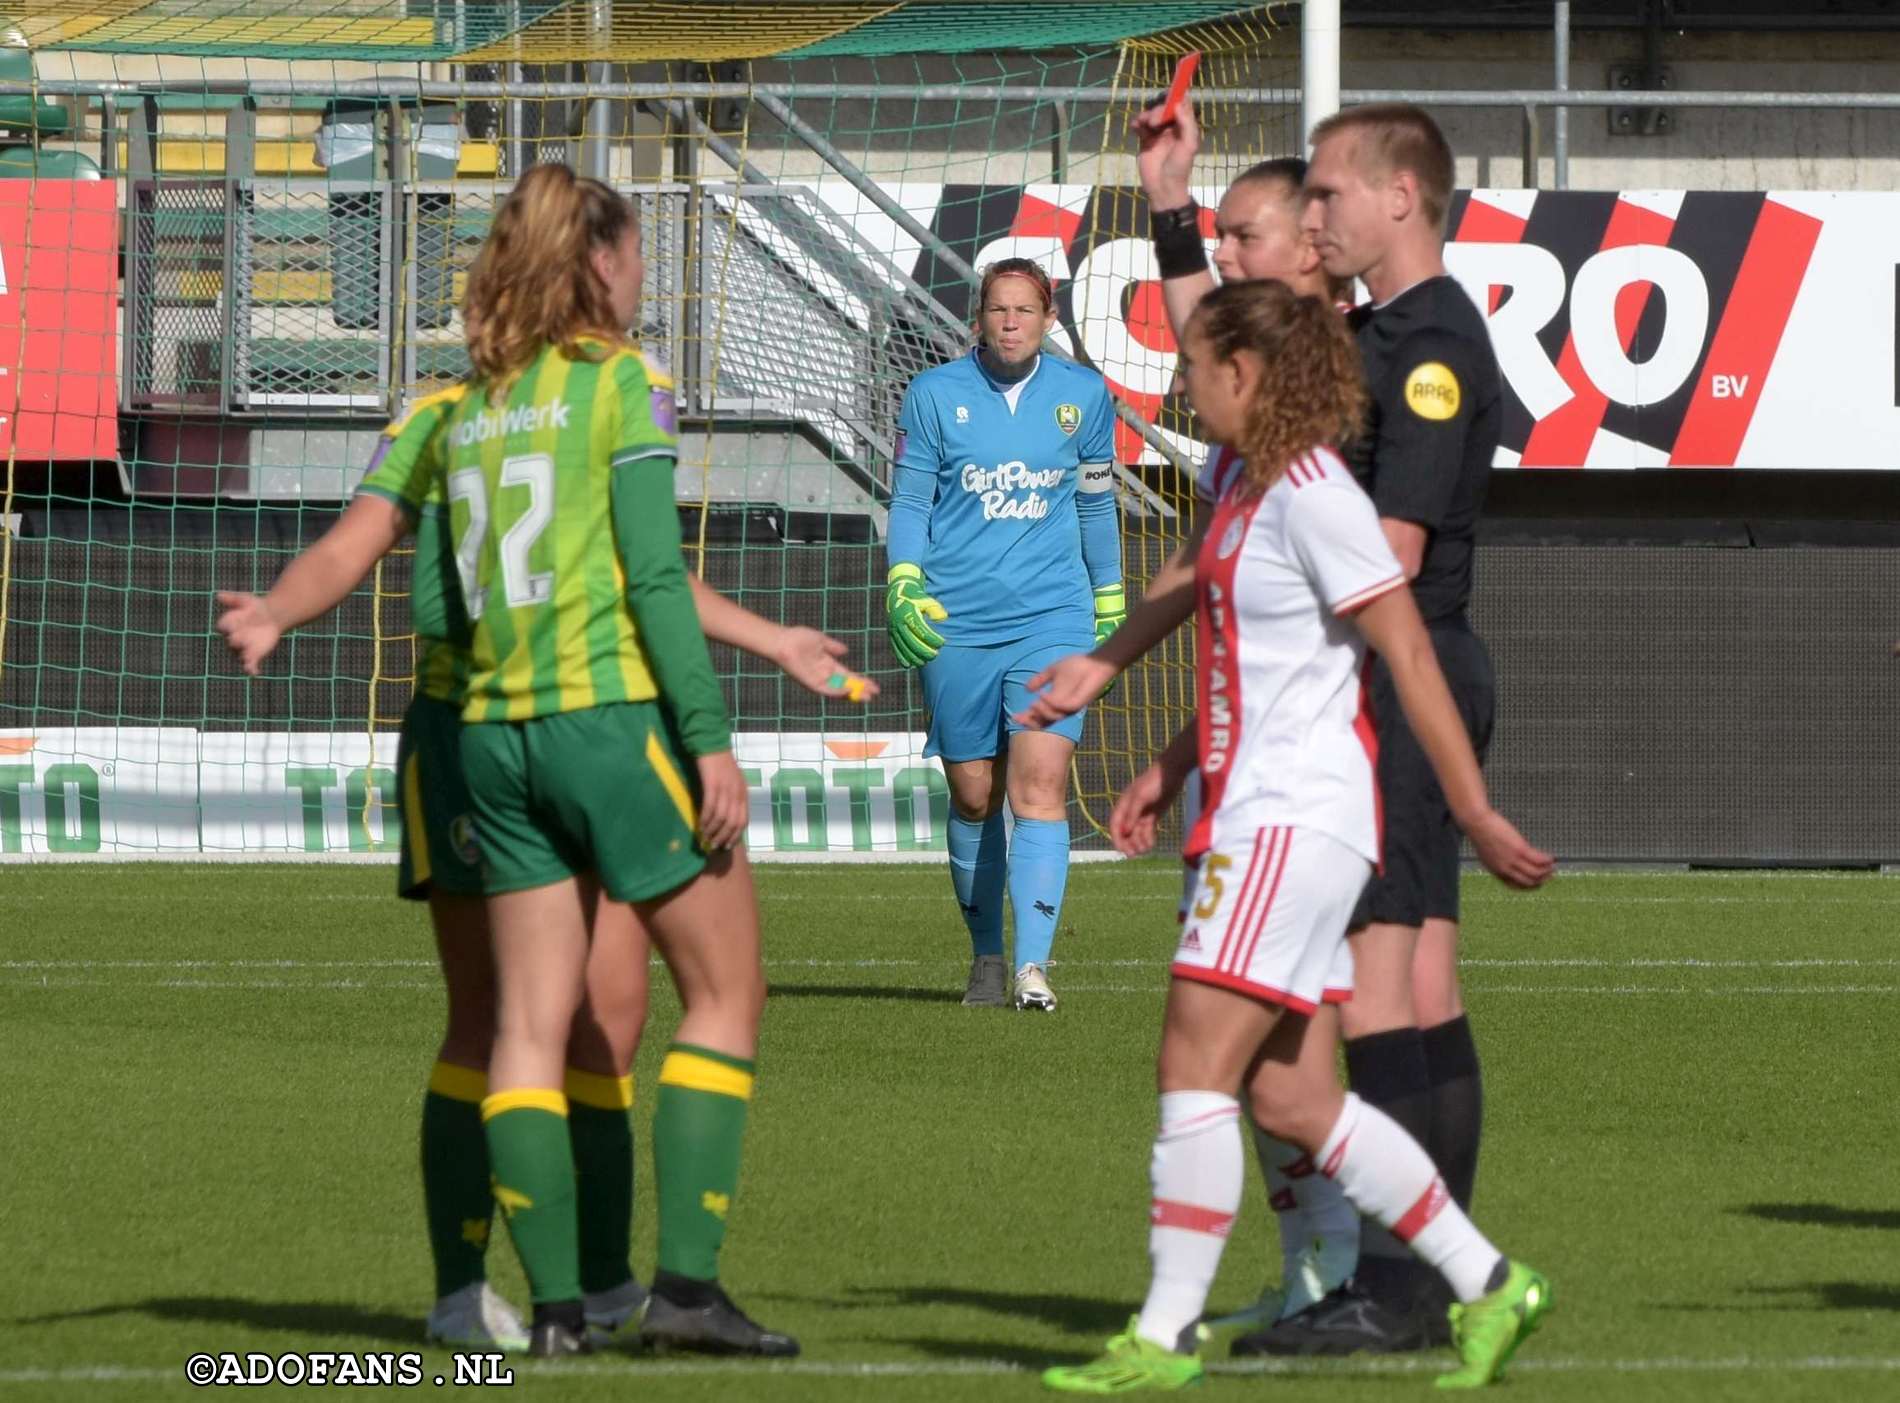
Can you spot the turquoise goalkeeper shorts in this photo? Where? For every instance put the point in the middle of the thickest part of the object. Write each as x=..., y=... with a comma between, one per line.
x=975, y=690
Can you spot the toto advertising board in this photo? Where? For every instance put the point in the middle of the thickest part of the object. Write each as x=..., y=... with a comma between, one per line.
x=173, y=791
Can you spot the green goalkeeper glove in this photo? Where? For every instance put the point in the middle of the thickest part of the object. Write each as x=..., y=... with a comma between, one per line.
x=908, y=610
x=1111, y=611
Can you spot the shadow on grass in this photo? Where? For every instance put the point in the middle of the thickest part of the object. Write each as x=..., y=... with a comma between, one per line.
x=1822, y=1295
x=325, y=1318
x=1822, y=1215
x=1086, y=1315
x=1033, y=1357
x=1838, y=1295
x=864, y=991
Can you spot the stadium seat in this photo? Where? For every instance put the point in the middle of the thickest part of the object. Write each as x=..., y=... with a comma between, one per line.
x=355, y=217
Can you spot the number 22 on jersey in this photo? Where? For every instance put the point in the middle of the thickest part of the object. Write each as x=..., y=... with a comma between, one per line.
x=521, y=584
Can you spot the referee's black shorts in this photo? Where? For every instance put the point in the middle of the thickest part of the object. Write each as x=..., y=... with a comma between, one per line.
x=1420, y=875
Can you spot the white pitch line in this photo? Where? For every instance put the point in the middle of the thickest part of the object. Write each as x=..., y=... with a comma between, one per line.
x=633, y=1369
x=957, y=962
x=1601, y=989
x=1684, y=962
x=93, y=898
x=1170, y=896
x=876, y=991
x=217, y=964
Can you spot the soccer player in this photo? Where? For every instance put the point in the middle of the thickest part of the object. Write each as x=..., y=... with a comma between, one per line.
x=1005, y=554
x=441, y=850
x=441, y=864
x=1379, y=188
x=1294, y=580
x=1259, y=236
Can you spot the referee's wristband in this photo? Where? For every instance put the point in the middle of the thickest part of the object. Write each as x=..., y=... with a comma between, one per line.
x=1179, y=252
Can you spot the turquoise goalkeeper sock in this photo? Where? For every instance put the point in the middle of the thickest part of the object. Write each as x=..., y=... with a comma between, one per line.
x=1038, y=875
x=977, y=865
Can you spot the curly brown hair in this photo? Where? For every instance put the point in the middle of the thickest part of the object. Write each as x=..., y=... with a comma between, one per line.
x=533, y=283
x=1312, y=390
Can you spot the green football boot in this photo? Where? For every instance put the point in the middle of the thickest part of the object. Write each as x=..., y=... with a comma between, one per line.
x=1487, y=1332
x=1130, y=1364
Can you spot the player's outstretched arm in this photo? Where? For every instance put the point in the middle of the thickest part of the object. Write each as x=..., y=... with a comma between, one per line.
x=1391, y=624
x=313, y=584
x=1069, y=684
x=1133, y=822
x=812, y=659
x=1165, y=162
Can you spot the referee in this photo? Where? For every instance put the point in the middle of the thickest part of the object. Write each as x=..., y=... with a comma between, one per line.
x=1378, y=190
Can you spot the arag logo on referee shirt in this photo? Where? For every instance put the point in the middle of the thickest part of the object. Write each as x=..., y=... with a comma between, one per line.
x=1068, y=417
x=1431, y=391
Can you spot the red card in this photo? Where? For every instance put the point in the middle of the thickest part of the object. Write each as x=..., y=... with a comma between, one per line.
x=1183, y=76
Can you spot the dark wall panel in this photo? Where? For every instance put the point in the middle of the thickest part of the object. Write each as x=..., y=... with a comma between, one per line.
x=1656, y=703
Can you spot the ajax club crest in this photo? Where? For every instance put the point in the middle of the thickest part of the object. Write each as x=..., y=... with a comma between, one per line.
x=1068, y=417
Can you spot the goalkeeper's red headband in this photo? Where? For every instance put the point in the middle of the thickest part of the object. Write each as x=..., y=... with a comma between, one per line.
x=1018, y=268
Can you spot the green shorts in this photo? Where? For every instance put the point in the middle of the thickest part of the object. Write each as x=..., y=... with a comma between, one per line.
x=439, y=846
x=606, y=790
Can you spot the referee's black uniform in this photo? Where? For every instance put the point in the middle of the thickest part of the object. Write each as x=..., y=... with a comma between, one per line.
x=1431, y=432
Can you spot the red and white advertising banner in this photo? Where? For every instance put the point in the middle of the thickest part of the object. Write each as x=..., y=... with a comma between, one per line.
x=1640, y=329
x=59, y=286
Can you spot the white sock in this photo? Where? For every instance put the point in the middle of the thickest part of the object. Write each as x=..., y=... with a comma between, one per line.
x=1391, y=1180
x=1319, y=1227
x=1196, y=1172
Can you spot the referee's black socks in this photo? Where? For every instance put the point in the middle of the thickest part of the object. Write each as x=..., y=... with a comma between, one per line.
x=1457, y=1110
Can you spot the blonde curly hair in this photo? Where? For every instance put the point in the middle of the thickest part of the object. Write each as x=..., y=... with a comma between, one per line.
x=1312, y=390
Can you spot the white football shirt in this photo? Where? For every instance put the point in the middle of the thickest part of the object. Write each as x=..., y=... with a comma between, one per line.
x=1285, y=727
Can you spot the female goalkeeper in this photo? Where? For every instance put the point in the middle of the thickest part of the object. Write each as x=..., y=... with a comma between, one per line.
x=423, y=479
x=1005, y=554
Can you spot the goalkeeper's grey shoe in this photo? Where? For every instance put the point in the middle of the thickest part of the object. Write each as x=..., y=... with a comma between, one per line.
x=989, y=983
x=1033, y=991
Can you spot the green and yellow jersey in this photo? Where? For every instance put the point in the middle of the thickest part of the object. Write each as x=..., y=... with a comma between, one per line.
x=408, y=470
x=567, y=546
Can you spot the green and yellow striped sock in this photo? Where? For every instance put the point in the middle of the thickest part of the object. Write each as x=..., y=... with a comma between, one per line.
x=698, y=1127
x=601, y=1129
x=456, y=1200
x=533, y=1168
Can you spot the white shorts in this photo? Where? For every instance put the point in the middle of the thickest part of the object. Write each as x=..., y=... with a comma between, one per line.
x=1268, y=914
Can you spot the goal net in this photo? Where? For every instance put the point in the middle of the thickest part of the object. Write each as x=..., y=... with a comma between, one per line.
x=234, y=238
